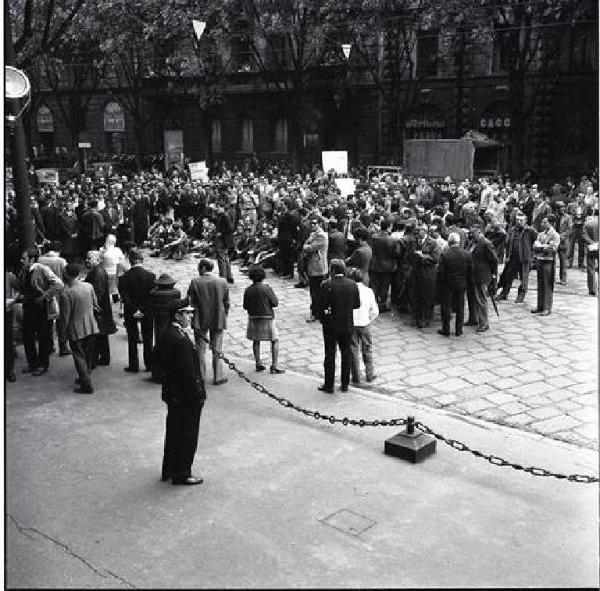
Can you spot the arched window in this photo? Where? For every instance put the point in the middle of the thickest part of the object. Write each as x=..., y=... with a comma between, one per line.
x=247, y=136
x=45, y=126
x=215, y=136
x=281, y=135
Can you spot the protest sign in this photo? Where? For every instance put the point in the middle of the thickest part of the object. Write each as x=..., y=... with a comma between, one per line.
x=336, y=160
x=198, y=171
x=346, y=186
x=48, y=176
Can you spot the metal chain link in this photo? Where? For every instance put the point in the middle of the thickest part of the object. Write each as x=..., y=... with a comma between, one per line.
x=497, y=461
x=458, y=445
x=309, y=413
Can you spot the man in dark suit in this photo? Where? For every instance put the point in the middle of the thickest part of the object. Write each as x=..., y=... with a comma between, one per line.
x=519, y=255
x=134, y=288
x=361, y=257
x=184, y=394
x=110, y=215
x=337, y=299
x=485, y=268
x=336, y=248
x=384, y=263
x=453, y=272
x=91, y=229
x=224, y=242
x=288, y=229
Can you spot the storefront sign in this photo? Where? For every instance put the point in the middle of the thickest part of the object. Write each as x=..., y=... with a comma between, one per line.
x=494, y=122
x=425, y=123
x=45, y=120
x=114, y=118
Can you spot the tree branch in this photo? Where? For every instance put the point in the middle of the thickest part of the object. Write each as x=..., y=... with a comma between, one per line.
x=26, y=32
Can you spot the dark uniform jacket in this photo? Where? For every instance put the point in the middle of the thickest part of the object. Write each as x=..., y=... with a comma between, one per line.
x=99, y=280
x=336, y=248
x=177, y=359
x=338, y=297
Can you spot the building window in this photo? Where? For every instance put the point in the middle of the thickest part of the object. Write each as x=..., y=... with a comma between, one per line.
x=583, y=49
x=215, y=136
x=281, y=135
x=427, y=54
x=114, y=118
x=501, y=51
x=247, y=136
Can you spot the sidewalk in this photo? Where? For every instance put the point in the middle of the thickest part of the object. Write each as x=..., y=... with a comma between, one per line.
x=281, y=494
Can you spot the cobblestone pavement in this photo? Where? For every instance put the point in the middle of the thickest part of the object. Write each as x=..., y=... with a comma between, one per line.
x=538, y=374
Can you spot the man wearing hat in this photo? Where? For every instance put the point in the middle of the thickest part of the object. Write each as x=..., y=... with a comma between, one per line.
x=183, y=392
x=160, y=299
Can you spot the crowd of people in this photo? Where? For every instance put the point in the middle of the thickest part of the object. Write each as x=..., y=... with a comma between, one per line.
x=393, y=242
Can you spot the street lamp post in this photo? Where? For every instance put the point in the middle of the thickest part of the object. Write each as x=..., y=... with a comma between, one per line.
x=16, y=136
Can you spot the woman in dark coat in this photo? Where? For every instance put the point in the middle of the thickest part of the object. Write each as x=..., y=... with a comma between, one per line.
x=98, y=278
x=259, y=301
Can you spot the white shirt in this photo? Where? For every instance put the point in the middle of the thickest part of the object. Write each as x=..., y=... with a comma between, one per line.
x=369, y=310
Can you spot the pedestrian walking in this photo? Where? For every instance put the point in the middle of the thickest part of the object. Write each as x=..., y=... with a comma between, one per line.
x=209, y=295
x=78, y=301
x=361, y=343
x=184, y=394
x=519, y=253
x=337, y=298
x=259, y=301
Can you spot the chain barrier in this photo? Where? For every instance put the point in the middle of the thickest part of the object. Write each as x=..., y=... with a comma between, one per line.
x=497, y=461
x=458, y=445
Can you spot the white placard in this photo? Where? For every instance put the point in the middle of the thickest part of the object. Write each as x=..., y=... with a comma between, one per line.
x=336, y=160
x=48, y=175
x=198, y=171
x=346, y=186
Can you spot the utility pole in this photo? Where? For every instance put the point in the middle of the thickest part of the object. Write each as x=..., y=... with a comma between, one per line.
x=16, y=137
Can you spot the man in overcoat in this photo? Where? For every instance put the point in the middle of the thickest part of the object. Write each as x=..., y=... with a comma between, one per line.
x=315, y=255
x=184, y=394
x=134, y=288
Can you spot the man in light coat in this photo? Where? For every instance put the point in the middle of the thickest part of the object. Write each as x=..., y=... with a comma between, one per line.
x=545, y=248
x=209, y=295
x=314, y=252
x=78, y=302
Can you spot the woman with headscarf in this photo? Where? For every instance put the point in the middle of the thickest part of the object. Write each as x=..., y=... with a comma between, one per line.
x=259, y=301
x=98, y=278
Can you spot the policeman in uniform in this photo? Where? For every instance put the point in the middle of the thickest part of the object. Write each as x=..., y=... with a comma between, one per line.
x=183, y=392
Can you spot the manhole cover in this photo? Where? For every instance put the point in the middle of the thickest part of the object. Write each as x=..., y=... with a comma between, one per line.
x=349, y=522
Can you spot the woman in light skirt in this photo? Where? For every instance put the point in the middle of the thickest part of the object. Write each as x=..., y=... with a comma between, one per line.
x=259, y=301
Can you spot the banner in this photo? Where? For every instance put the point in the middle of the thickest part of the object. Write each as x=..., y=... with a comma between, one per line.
x=198, y=171
x=336, y=160
x=48, y=175
x=173, y=139
x=346, y=186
